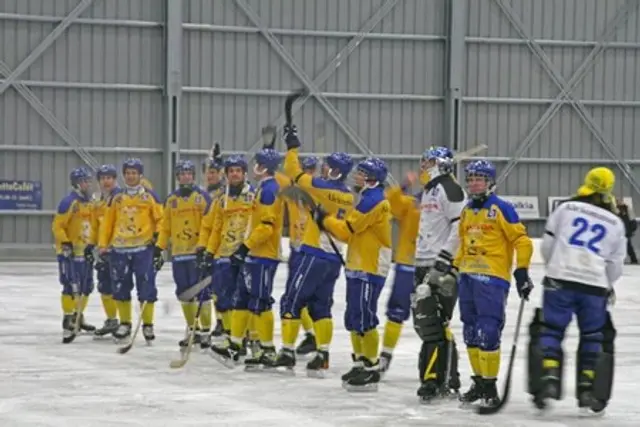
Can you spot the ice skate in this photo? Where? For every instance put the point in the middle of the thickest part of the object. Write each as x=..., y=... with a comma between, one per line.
x=263, y=360
x=184, y=343
x=490, y=393
x=428, y=391
x=68, y=333
x=227, y=353
x=318, y=366
x=307, y=346
x=84, y=326
x=122, y=333
x=475, y=392
x=148, y=333
x=204, y=339
x=218, y=334
x=355, y=369
x=366, y=380
x=108, y=328
x=385, y=362
x=285, y=362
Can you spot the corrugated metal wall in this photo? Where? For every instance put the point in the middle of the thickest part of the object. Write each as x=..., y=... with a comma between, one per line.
x=508, y=92
x=380, y=70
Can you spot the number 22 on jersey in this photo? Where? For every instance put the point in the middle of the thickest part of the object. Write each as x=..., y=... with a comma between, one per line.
x=587, y=235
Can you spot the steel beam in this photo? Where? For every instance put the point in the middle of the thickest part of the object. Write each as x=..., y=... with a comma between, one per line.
x=51, y=119
x=107, y=149
x=545, y=101
x=455, y=66
x=19, y=17
x=44, y=44
x=300, y=73
x=87, y=85
x=547, y=42
x=173, y=89
x=566, y=87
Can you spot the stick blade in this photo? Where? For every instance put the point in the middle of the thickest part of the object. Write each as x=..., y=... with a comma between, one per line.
x=194, y=291
x=298, y=195
x=177, y=364
x=125, y=349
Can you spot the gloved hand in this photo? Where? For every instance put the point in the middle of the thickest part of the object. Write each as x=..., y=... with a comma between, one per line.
x=523, y=282
x=319, y=214
x=67, y=249
x=201, y=255
x=269, y=137
x=611, y=296
x=89, y=258
x=291, y=137
x=238, y=257
x=158, y=260
x=102, y=265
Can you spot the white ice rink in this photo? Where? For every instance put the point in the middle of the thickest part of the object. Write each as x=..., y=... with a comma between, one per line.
x=86, y=383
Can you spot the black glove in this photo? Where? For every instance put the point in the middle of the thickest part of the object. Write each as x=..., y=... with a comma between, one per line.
x=319, y=214
x=291, y=137
x=67, y=249
x=102, y=265
x=237, y=258
x=158, y=260
x=269, y=137
x=89, y=258
x=523, y=282
x=443, y=262
x=201, y=255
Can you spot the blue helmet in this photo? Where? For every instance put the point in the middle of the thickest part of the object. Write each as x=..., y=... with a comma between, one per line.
x=309, y=162
x=341, y=162
x=79, y=175
x=237, y=160
x=443, y=157
x=374, y=169
x=185, y=166
x=269, y=159
x=213, y=163
x=107, y=170
x=484, y=169
x=133, y=163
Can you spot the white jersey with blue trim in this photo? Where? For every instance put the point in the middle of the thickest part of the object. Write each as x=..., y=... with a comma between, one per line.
x=585, y=244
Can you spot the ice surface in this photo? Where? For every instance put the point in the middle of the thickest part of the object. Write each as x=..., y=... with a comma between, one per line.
x=45, y=383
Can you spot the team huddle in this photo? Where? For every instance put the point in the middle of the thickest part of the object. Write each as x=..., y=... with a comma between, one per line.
x=455, y=245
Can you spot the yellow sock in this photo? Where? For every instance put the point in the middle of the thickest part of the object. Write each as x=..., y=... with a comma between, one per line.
x=490, y=363
x=187, y=311
x=356, y=343
x=226, y=320
x=124, y=311
x=84, y=301
x=109, y=306
x=370, y=343
x=147, y=313
x=550, y=363
x=239, y=322
x=290, y=328
x=324, y=333
x=392, y=331
x=306, y=320
x=264, y=327
x=252, y=328
x=68, y=304
x=474, y=360
x=205, y=315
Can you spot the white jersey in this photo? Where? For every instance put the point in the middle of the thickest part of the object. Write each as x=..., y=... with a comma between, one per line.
x=584, y=244
x=441, y=203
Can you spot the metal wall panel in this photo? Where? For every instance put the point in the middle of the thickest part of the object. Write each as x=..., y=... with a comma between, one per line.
x=389, y=90
x=507, y=91
x=101, y=80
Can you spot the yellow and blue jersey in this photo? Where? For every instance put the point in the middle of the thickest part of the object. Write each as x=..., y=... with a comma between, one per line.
x=131, y=219
x=181, y=221
x=265, y=225
x=75, y=222
x=367, y=231
x=404, y=208
x=334, y=196
x=229, y=217
x=488, y=238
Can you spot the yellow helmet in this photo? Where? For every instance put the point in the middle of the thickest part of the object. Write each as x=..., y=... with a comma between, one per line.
x=598, y=180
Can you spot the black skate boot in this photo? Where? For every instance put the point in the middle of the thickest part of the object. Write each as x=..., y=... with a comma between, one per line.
x=123, y=332
x=84, y=326
x=490, y=392
x=428, y=391
x=204, y=339
x=367, y=379
x=148, y=334
x=308, y=345
x=227, y=353
x=218, y=334
x=184, y=343
x=319, y=365
x=68, y=332
x=286, y=359
x=262, y=361
x=385, y=362
x=586, y=400
x=355, y=369
x=109, y=327
x=475, y=392
x=550, y=388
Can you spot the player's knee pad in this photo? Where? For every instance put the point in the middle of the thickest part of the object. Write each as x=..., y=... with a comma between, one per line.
x=604, y=368
x=488, y=331
x=535, y=357
x=427, y=320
